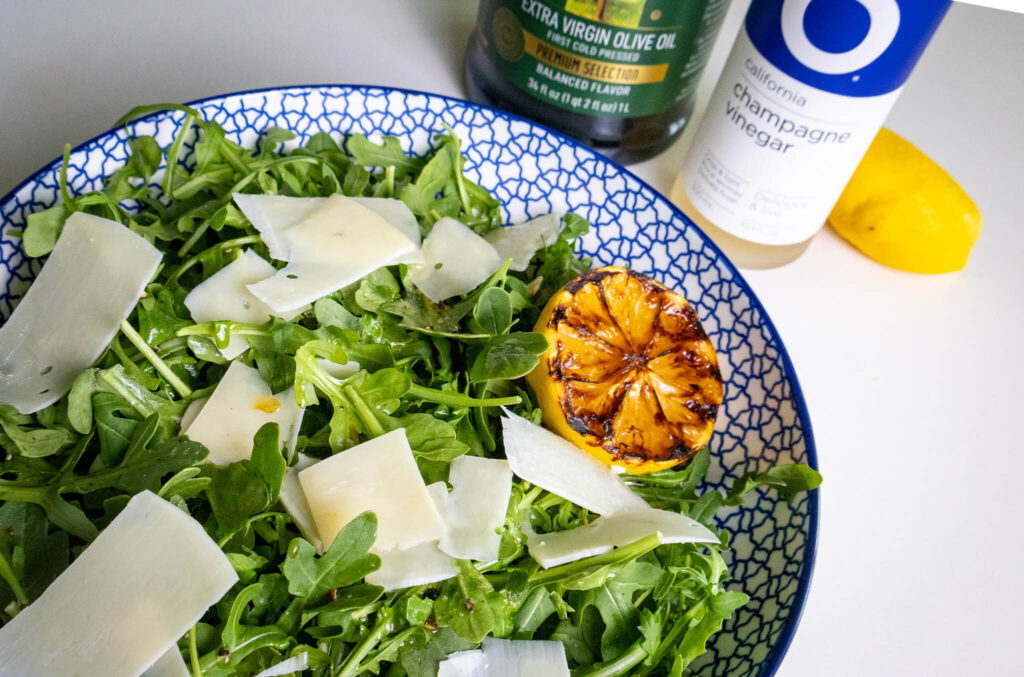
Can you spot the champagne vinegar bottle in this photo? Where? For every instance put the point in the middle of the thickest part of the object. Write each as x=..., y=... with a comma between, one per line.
x=804, y=91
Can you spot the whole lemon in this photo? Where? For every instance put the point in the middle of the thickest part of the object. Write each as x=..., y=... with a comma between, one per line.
x=904, y=211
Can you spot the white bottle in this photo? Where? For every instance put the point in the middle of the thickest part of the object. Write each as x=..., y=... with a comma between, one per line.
x=805, y=89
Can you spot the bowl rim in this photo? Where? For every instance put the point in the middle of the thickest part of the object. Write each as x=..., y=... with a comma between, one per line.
x=774, y=658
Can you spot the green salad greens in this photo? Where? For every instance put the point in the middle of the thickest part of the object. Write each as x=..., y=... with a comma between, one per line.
x=438, y=370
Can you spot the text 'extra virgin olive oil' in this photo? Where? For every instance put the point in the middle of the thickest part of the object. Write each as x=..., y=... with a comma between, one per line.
x=619, y=75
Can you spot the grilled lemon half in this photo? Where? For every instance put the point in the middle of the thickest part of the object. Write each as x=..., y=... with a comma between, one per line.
x=629, y=374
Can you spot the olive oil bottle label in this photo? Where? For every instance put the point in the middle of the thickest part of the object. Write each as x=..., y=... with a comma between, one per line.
x=625, y=58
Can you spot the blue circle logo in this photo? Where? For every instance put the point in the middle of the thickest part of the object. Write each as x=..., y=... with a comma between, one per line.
x=849, y=47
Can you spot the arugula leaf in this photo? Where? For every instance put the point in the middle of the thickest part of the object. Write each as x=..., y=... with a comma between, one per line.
x=419, y=312
x=705, y=507
x=146, y=460
x=142, y=399
x=347, y=561
x=80, y=411
x=376, y=290
x=143, y=466
x=161, y=314
x=208, y=146
x=422, y=654
x=205, y=349
x=464, y=604
x=694, y=642
x=537, y=608
x=19, y=438
x=417, y=610
x=421, y=195
x=236, y=493
x=41, y=556
x=582, y=642
x=493, y=311
x=271, y=137
x=430, y=438
x=508, y=356
x=614, y=601
x=356, y=180
x=388, y=154
x=652, y=622
x=42, y=229
x=575, y=227
x=346, y=599
x=675, y=489
x=184, y=485
x=66, y=515
x=240, y=639
x=330, y=313
x=789, y=480
x=266, y=461
x=558, y=266
x=145, y=157
x=116, y=422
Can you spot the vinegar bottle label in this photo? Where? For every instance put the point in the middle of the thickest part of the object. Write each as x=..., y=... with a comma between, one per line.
x=803, y=93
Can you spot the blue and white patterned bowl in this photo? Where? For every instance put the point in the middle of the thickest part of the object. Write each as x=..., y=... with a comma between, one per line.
x=535, y=171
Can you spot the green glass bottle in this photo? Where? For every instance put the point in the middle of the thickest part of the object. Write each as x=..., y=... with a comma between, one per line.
x=619, y=75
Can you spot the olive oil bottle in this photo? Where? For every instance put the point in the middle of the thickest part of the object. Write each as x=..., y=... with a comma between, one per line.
x=619, y=75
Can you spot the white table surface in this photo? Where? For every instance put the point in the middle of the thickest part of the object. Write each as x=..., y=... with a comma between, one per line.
x=913, y=382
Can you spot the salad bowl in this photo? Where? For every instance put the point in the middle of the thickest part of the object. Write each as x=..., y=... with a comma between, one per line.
x=535, y=171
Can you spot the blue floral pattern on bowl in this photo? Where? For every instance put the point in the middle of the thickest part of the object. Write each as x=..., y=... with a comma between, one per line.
x=534, y=171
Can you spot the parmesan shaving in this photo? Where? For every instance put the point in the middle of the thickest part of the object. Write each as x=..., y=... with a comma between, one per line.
x=94, y=277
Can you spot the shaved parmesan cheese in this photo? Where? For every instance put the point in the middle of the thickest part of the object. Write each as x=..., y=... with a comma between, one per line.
x=455, y=261
x=439, y=495
x=288, y=666
x=543, y=458
x=463, y=664
x=508, y=658
x=615, y=531
x=240, y=404
x=171, y=664
x=419, y=564
x=476, y=507
x=193, y=409
x=92, y=280
x=224, y=296
x=338, y=371
x=378, y=475
x=398, y=214
x=295, y=504
x=395, y=212
x=520, y=242
x=145, y=580
x=416, y=565
x=298, y=284
x=272, y=215
x=525, y=658
x=337, y=244
x=343, y=228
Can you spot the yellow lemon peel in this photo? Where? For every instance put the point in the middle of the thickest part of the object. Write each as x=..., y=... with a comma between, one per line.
x=904, y=211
